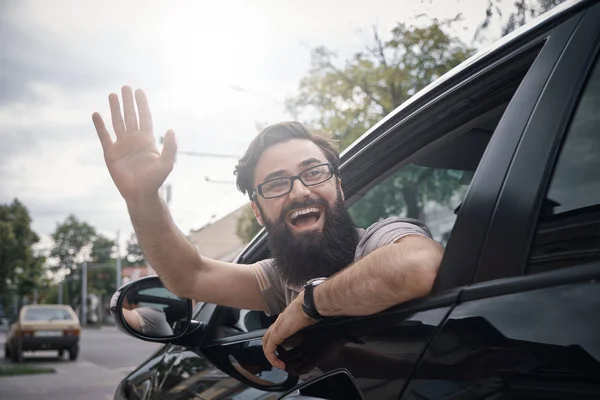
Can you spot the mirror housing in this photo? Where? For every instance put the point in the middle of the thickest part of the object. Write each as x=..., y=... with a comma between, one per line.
x=146, y=303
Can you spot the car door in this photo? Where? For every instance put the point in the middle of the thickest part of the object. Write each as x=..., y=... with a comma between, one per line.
x=166, y=373
x=380, y=351
x=529, y=326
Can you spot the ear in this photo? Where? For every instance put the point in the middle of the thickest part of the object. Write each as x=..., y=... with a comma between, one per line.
x=339, y=183
x=256, y=212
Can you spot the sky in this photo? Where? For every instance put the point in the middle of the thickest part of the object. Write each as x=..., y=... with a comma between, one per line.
x=212, y=71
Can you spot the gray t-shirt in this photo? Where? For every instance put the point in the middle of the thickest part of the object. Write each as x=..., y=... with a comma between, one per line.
x=153, y=322
x=278, y=294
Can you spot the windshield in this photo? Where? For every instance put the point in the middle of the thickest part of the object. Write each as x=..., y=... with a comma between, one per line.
x=47, y=314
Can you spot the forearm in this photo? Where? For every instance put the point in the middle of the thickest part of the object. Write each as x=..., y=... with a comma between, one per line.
x=388, y=276
x=168, y=251
x=132, y=318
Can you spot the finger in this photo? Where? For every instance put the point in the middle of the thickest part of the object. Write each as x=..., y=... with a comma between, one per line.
x=265, y=339
x=144, y=111
x=131, y=123
x=103, y=134
x=115, y=112
x=270, y=349
x=169, y=150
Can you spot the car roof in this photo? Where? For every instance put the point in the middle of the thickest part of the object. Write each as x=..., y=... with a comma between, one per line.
x=477, y=60
x=62, y=306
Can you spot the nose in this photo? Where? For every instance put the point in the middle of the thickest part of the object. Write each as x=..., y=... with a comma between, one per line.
x=299, y=190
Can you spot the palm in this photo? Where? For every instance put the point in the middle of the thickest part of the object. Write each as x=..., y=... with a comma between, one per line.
x=133, y=160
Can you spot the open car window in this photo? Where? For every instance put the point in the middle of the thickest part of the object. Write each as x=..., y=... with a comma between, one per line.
x=433, y=185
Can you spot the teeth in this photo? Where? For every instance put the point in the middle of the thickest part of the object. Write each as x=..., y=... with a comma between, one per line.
x=297, y=213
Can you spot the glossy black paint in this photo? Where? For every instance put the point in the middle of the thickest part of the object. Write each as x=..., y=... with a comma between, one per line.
x=378, y=351
x=524, y=192
x=535, y=344
x=533, y=337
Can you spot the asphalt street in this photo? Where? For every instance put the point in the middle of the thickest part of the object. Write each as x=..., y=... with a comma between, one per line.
x=105, y=358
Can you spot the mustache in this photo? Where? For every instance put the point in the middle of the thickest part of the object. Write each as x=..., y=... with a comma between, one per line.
x=303, y=204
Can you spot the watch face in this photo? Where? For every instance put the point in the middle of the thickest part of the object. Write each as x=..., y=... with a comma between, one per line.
x=315, y=281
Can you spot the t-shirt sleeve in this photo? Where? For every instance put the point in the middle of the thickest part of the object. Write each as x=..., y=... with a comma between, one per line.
x=388, y=231
x=154, y=322
x=270, y=287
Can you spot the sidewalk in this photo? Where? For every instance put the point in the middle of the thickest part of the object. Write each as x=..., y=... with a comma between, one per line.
x=72, y=380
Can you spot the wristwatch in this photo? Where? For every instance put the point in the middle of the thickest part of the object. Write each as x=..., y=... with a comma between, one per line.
x=308, y=306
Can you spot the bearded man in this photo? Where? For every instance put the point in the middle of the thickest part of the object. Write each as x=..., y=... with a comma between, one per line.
x=322, y=264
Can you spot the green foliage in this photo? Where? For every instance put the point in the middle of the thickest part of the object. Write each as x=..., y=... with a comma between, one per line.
x=348, y=98
x=406, y=193
x=71, y=238
x=247, y=226
x=344, y=99
x=524, y=11
x=50, y=295
x=102, y=249
x=135, y=254
x=102, y=281
x=14, y=370
x=21, y=271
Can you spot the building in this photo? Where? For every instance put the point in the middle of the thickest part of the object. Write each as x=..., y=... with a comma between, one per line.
x=218, y=240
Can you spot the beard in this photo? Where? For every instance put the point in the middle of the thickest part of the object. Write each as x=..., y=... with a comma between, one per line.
x=314, y=254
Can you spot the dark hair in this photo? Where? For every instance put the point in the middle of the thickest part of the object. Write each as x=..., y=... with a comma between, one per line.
x=130, y=295
x=274, y=134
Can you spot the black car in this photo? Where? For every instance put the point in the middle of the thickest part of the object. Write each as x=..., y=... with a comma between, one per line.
x=507, y=146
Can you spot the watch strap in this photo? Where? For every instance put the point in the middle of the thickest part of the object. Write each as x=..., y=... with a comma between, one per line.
x=308, y=306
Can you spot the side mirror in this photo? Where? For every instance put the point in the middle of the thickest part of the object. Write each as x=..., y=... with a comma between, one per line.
x=146, y=310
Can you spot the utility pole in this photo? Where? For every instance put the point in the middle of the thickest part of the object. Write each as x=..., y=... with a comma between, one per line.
x=60, y=291
x=84, y=293
x=118, y=242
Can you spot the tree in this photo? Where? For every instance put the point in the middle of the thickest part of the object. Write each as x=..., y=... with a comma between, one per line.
x=21, y=271
x=135, y=254
x=102, y=275
x=524, y=11
x=31, y=277
x=71, y=239
x=102, y=249
x=347, y=98
x=247, y=226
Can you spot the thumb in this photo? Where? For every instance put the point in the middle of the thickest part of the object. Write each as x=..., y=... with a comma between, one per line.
x=169, y=150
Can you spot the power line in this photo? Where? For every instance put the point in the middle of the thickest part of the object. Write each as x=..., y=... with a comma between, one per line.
x=207, y=179
x=215, y=155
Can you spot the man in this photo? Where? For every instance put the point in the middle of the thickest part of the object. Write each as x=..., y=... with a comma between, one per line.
x=292, y=179
x=146, y=320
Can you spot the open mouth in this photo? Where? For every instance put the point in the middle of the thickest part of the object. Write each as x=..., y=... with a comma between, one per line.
x=303, y=217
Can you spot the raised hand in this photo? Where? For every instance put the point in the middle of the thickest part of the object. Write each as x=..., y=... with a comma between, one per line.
x=133, y=160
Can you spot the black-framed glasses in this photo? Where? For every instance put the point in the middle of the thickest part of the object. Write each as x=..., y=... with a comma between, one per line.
x=278, y=187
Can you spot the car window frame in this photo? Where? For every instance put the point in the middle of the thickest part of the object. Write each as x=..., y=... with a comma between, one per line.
x=510, y=236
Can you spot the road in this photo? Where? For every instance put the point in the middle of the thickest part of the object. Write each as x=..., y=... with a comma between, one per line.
x=106, y=356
